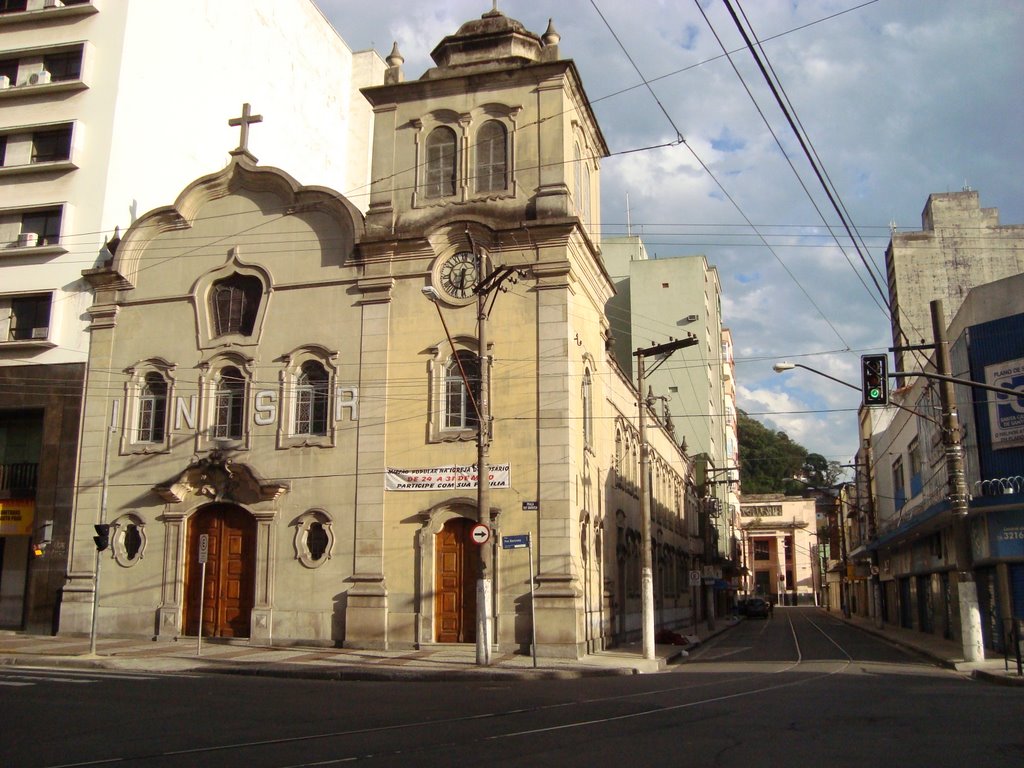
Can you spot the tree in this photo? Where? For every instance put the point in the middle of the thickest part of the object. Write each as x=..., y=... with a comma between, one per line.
x=767, y=458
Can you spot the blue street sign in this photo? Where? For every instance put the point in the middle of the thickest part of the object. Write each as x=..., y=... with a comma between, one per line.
x=515, y=542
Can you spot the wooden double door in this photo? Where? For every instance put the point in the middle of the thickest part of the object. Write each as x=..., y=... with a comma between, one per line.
x=230, y=582
x=456, y=565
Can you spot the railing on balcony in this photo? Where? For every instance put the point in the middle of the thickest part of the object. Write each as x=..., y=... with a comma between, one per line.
x=18, y=479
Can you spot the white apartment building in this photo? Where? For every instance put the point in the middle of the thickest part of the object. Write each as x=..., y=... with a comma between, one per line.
x=109, y=108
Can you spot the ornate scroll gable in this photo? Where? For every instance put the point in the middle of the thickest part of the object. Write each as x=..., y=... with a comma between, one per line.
x=220, y=479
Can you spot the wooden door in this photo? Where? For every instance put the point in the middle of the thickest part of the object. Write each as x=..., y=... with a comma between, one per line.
x=456, y=559
x=230, y=572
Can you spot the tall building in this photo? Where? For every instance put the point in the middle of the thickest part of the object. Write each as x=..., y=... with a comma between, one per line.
x=302, y=392
x=103, y=116
x=960, y=245
x=664, y=298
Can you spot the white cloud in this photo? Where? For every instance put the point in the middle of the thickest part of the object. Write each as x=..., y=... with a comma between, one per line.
x=900, y=99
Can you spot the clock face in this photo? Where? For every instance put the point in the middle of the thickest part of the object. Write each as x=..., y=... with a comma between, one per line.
x=458, y=275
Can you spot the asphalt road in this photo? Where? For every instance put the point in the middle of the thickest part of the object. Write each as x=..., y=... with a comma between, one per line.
x=799, y=689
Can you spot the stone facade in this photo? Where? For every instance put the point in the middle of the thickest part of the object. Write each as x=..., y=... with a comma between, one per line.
x=312, y=419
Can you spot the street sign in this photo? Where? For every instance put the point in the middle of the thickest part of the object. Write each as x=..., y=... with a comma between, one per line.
x=481, y=533
x=204, y=547
x=694, y=578
x=531, y=506
x=518, y=541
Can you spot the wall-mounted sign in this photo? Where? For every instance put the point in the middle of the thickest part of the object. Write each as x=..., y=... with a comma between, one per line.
x=17, y=516
x=445, y=478
x=1005, y=412
x=760, y=510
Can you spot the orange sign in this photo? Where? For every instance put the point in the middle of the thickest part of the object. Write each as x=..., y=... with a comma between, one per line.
x=17, y=516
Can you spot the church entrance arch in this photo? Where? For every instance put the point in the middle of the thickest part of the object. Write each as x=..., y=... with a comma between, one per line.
x=456, y=563
x=230, y=571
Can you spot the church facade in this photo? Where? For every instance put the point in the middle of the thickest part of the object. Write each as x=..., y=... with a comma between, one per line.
x=285, y=397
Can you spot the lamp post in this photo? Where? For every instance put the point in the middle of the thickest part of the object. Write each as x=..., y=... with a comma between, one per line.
x=481, y=403
x=647, y=566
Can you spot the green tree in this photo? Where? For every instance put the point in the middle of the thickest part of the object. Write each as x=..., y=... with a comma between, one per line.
x=767, y=458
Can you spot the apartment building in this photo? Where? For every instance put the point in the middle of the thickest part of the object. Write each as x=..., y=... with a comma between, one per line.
x=108, y=108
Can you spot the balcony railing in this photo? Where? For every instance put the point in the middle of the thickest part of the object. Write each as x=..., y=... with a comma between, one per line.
x=19, y=479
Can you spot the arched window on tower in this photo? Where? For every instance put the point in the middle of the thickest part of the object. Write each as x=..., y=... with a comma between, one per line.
x=441, y=163
x=491, y=157
x=459, y=407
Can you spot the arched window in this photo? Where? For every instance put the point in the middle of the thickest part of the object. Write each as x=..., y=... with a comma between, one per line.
x=229, y=406
x=459, y=405
x=588, y=411
x=441, y=163
x=311, y=399
x=152, y=409
x=235, y=302
x=586, y=195
x=491, y=157
x=618, y=456
x=577, y=157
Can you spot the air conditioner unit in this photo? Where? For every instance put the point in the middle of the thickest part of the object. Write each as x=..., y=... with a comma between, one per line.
x=40, y=333
x=39, y=78
x=5, y=82
x=690, y=318
x=27, y=239
x=52, y=4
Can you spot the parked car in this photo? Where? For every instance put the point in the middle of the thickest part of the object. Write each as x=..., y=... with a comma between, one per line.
x=757, y=608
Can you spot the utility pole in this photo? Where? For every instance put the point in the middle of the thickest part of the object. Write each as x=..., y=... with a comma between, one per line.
x=483, y=482
x=646, y=563
x=967, y=589
x=876, y=577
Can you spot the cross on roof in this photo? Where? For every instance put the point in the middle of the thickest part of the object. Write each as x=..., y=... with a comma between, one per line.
x=244, y=121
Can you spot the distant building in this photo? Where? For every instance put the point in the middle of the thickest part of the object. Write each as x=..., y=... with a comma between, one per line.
x=108, y=109
x=961, y=245
x=779, y=548
x=660, y=299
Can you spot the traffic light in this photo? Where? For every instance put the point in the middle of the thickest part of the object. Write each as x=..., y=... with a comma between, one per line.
x=102, y=537
x=874, y=372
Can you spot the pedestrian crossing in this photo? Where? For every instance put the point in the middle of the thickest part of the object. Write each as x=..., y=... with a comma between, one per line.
x=24, y=677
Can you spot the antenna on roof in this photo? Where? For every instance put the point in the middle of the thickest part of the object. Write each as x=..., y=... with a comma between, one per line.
x=629, y=228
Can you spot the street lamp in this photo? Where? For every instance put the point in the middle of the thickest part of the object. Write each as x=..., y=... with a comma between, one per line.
x=647, y=565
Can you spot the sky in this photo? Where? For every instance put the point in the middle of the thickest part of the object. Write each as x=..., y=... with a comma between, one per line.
x=898, y=98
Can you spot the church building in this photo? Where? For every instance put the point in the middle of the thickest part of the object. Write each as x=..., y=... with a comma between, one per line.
x=286, y=399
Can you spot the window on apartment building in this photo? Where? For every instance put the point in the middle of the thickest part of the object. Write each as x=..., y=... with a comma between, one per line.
x=491, y=157
x=51, y=145
x=64, y=65
x=916, y=468
x=311, y=399
x=9, y=69
x=229, y=405
x=899, y=490
x=236, y=300
x=761, y=550
x=3, y=150
x=459, y=407
x=30, y=317
x=152, y=409
x=44, y=223
x=441, y=163
x=13, y=6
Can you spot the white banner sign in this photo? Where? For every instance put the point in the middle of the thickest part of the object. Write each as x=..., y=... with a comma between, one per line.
x=445, y=478
x=1006, y=413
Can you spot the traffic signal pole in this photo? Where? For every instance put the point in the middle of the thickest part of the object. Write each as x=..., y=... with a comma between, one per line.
x=102, y=538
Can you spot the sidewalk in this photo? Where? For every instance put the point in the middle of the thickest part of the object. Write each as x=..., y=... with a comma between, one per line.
x=436, y=662
x=946, y=653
